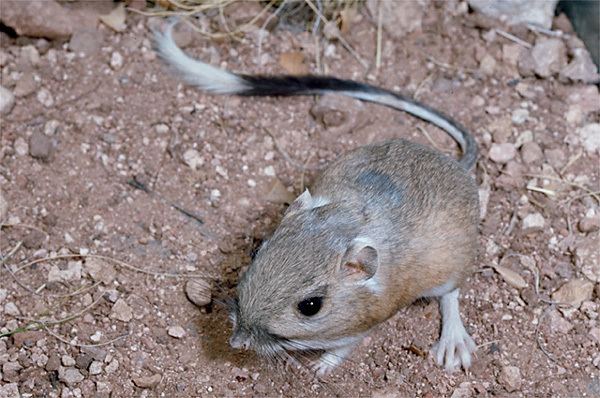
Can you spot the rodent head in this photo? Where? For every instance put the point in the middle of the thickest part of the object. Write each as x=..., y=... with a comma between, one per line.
x=310, y=284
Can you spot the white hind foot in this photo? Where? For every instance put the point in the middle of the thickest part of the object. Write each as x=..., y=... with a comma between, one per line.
x=331, y=359
x=455, y=346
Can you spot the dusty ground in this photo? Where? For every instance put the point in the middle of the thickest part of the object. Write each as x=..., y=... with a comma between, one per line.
x=85, y=125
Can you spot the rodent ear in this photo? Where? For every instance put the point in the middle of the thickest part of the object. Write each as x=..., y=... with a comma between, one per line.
x=302, y=202
x=361, y=260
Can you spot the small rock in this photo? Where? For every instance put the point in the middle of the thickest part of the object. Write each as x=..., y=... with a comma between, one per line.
x=193, y=159
x=53, y=363
x=519, y=116
x=536, y=12
x=28, y=338
x=215, y=195
x=111, y=295
x=558, y=323
x=549, y=56
x=526, y=64
x=398, y=17
x=221, y=171
x=72, y=273
x=278, y=193
x=70, y=376
x=502, y=153
x=96, y=337
x=589, y=223
x=147, y=381
x=11, y=308
x=510, y=378
x=67, y=360
x=30, y=55
x=21, y=146
x=103, y=389
x=3, y=209
x=533, y=222
x=464, y=390
x=176, y=331
x=590, y=137
x=587, y=258
x=487, y=66
x=83, y=361
x=9, y=390
x=41, y=18
x=3, y=295
x=34, y=239
x=586, y=98
x=580, y=69
x=525, y=90
x=45, y=98
x=269, y=171
x=511, y=53
x=26, y=85
x=531, y=153
x=50, y=127
x=7, y=101
x=338, y=112
x=116, y=60
x=198, y=291
x=574, y=292
x=87, y=41
x=100, y=270
x=121, y=311
x=95, y=368
x=112, y=366
x=162, y=128
x=40, y=146
x=556, y=157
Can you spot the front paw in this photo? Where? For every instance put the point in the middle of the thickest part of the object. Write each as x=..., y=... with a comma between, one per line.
x=454, y=350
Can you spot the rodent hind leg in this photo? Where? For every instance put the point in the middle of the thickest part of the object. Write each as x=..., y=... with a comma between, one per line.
x=455, y=346
x=331, y=359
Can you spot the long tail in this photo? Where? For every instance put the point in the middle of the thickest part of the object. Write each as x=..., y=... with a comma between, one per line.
x=215, y=80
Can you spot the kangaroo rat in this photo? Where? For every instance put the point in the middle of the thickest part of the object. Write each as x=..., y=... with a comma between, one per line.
x=384, y=225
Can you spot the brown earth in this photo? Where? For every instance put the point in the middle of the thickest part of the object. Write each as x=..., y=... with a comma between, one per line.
x=84, y=126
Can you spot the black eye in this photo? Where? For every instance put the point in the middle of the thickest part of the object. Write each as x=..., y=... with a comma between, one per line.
x=310, y=306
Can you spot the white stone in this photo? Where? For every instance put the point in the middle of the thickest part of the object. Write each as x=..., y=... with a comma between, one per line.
x=590, y=137
x=192, y=158
x=116, y=60
x=7, y=101
x=533, y=221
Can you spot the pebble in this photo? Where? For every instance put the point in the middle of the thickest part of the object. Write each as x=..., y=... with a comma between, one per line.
x=112, y=366
x=34, y=239
x=193, y=159
x=589, y=223
x=574, y=292
x=103, y=389
x=511, y=52
x=587, y=258
x=215, y=195
x=21, y=146
x=162, y=128
x=3, y=210
x=11, y=308
x=531, y=152
x=556, y=157
x=525, y=90
x=147, y=381
x=45, y=97
x=26, y=85
x=40, y=146
x=398, y=17
x=176, y=331
x=100, y=270
x=70, y=376
x=549, y=56
x=519, y=116
x=580, y=69
x=116, y=60
x=111, y=295
x=558, y=323
x=51, y=127
x=269, y=171
x=198, y=291
x=7, y=101
x=502, y=153
x=510, y=378
x=9, y=390
x=72, y=273
x=487, y=66
x=221, y=171
x=590, y=137
x=67, y=360
x=96, y=337
x=83, y=361
x=533, y=222
x=87, y=41
x=95, y=368
x=53, y=363
x=121, y=311
x=3, y=295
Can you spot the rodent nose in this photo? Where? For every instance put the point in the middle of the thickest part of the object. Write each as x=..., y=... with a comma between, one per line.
x=239, y=342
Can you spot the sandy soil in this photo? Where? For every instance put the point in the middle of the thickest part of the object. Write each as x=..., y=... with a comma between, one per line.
x=85, y=126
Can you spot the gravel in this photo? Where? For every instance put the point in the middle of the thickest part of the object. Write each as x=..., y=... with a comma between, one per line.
x=7, y=101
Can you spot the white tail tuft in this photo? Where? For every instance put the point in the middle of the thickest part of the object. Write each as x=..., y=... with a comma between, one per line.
x=204, y=76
